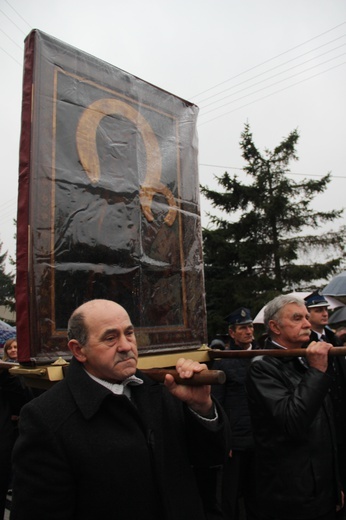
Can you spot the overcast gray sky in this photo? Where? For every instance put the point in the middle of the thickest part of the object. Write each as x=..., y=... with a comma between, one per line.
x=277, y=64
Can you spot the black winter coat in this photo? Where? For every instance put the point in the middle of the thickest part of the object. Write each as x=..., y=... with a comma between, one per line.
x=294, y=438
x=85, y=453
x=337, y=371
x=232, y=397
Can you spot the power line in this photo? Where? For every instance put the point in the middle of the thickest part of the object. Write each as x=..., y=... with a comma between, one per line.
x=8, y=210
x=10, y=202
x=14, y=23
x=269, y=95
x=10, y=214
x=268, y=60
x=10, y=55
x=9, y=37
x=272, y=84
x=18, y=14
x=274, y=75
x=288, y=173
x=221, y=166
x=12, y=40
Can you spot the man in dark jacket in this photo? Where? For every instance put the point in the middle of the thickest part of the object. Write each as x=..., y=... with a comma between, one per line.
x=107, y=442
x=292, y=421
x=238, y=472
x=317, y=306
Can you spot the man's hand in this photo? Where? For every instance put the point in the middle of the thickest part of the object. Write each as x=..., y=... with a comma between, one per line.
x=317, y=355
x=196, y=397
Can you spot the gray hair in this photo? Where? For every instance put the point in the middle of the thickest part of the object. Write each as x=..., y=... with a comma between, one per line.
x=77, y=329
x=273, y=309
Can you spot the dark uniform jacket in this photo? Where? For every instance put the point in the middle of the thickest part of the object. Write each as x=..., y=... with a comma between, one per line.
x=337, y=371
x=85, y=453
x=232, y=396
x=330, y=337
x=294, y=438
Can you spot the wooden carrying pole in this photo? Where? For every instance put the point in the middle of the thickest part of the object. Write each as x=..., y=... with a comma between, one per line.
x=8, y=364
x=295, y=352
x=205, y=377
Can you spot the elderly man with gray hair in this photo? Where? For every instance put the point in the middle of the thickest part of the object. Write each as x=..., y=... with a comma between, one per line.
x=292, y=420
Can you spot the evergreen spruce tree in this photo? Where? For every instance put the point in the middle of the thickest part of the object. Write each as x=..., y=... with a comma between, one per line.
x=259, y=247
x=7, y=285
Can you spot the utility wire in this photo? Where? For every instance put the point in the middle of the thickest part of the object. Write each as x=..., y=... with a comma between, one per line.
x=271, y=94
x=288, y=173
x=14, y=23
x=271, y=69
x=10, y=55
x=12, y=40
x=268, y=60
x=8, y=202
x=8, y=215
x=18, y=14
x=272, y=84
x=274, y=75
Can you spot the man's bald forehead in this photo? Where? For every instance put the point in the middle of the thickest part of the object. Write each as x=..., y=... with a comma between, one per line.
x=91, y=313
x=98, y=305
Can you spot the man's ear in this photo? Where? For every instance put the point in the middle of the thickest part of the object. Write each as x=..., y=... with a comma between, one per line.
x=274, y=327
x=77, y=350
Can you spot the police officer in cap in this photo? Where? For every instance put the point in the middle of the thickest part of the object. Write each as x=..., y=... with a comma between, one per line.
x=238, y=472
x=317, y=306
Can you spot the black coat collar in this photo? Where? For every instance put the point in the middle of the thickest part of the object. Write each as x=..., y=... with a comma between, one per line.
x=89, y=395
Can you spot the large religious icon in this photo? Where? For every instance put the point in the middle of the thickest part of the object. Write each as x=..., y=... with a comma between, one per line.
x=108, y=202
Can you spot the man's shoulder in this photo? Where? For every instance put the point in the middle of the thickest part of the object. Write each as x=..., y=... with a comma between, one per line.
x=60, y=399
x=265, y=362
x=52, y=397
x=51, y=409
x=267, y=358
x=332, y=337
x=268, y=361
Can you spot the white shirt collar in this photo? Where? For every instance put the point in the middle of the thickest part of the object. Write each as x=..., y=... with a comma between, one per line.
x=118, y=388
x=320, y=334
x=278, y=345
